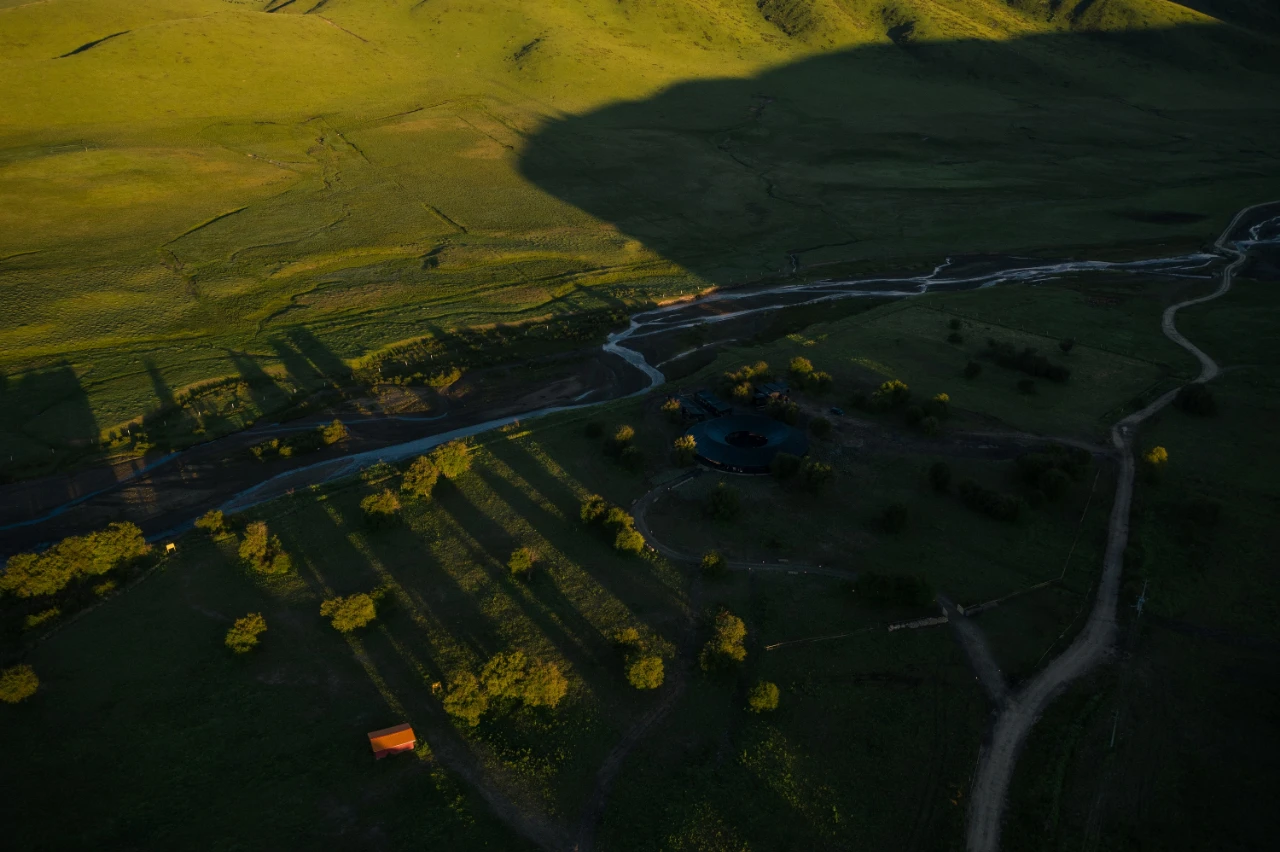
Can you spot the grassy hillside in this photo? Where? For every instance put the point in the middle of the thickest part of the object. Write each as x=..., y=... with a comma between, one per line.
x=192, y=186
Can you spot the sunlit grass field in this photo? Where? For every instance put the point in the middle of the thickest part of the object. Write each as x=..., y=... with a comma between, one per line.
x=206, y=177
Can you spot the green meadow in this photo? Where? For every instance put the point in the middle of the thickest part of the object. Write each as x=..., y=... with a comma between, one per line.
x=262, y=192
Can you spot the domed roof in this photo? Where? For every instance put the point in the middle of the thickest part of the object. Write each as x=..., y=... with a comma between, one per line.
x=746, y=443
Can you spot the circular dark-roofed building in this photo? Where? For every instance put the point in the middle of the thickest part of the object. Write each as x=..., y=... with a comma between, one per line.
x=746, y=443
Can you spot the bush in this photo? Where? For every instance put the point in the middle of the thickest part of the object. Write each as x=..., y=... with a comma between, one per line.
x=671, y=408
x=521, y=563
x=243, y=635
x=37, y=618
x=894, y=590
x=452, y=459
x=930, y=426
x=593, y=510
x=623, y=435
x=784, y=466
x=955, y=337
x=626, y=637
x=940, y=476
x=684, y=451
x=820, y=427
x=763, y=697
x=212, y=522
x=747, y=373
x=727, y=643
x=29, y=575
x=263, y=551
x=815, y=476
x=628, y=541
x=333, y=432
x=593, y=430
x=972, y=370
x=465, y=700
x=742, y=392
x=421, y=477
x=714, y=564
x=350, y=613
x=645, y=672
x=1197, y=399
x=381, y=509
x=894, y=517
x=723, y=504
x=1026, y=386
x=18, y=683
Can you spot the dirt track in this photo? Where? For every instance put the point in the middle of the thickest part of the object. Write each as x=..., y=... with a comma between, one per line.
x=1021, y=711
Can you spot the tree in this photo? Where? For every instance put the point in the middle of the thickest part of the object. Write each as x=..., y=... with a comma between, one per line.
x=544, y=685
x=972, y=370
x=800, y=368
x=18, y=683
x=940, y=476
x=628, y=541
x=421, y=477
x=714, y=564
x=815, y=475
x=685, y=450
x=349, y=613
x=263, y=551
x=1066, y=345
x=466, y=700
x=381, y=509
x=645, y=672
x=723, y=504
x=820, y=427
x=780, y=409
x=243, y=635
x=521, y=563
x=593, y=509
x=453, y=459
x=29, y=575
x=892, y=393
x=1156, y=457
x=727, y=642
x=784, y=466
x=939, y=406
x=763, y=697
x=622, y=438
x=818, y=381
x=333, y=432
x=894, y=517
x=212, y=522
x=671, y=408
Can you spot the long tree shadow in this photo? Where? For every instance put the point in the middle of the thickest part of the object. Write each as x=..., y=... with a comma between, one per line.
x=41, y=412
x=970, y=145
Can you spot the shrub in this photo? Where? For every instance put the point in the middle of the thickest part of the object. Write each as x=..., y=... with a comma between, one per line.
x=626, y=637
x=895, y=590
x=421, y=477
x=37, y=618
x=784, y=466
x=645, y=672
x=333, y=432
x=29, y=575
x=671, y=408
x=742, y=392
x=349, y=613
x=893, y=392
x=18, y=683
x=940, y=476
x=1197, y=399
x=1066, y=345
x=452, y=459
x=243, y=635
x=820, y=427
x=763, y=697
x=593, y=429
x=465, y=700
x=381, y=509
x=623, y=435
x=1026, y=386
x=955, y=337
x=972, y=370
x=593, y=510
x=212, y=522
x=800, y=368
x=814, y=476
x=628, y=541
x=727, y=642
x=685, y=450
x=894, y=517
x=723, y=504
x=714, y=564
x=263, y=551
x=521, y=563
x=930, y=426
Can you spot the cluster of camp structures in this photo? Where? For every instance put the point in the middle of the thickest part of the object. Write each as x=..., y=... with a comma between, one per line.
x=702, y=404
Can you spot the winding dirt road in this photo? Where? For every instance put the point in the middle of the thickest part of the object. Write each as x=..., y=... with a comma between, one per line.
x=1019, y=712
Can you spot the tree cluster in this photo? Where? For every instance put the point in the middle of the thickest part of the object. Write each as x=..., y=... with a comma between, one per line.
x=596, y=511
x=803, y=374
x=305, y=442
x=511, y=677
x=893, y=589
x=263, y=551
x=1049, y=472
x=740, y=383
x=349, y=613
x=29, y=575
x=1027, y=361
x=243, y=635
x=727, y=643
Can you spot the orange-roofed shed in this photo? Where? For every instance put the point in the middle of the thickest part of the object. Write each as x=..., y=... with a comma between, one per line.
x=392, y=740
